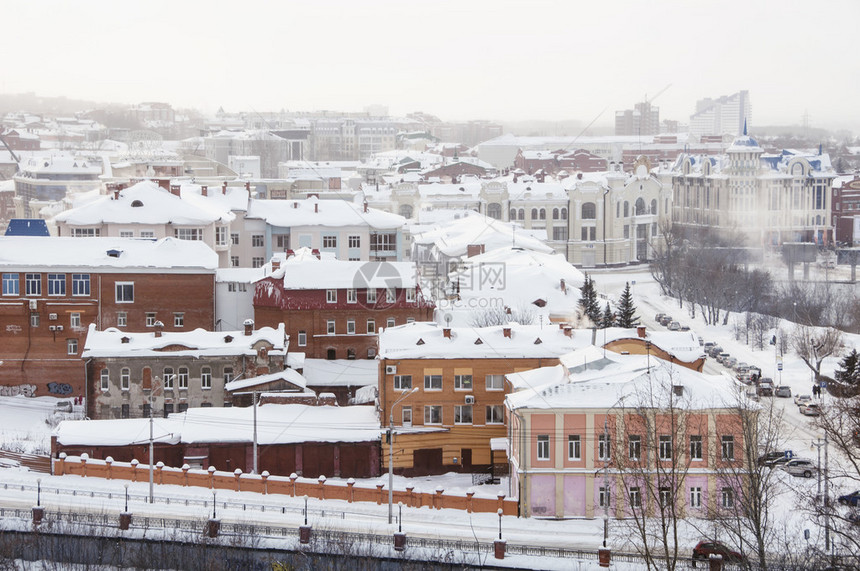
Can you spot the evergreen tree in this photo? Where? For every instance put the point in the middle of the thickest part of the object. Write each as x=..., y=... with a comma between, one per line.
x=626, y=310
x=849, y=369
x=588, y=300
x=608, y=319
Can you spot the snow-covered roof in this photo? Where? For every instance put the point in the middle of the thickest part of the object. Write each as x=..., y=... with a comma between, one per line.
x=305, y=271
x=113, y=342
x=620, y=381
x=288, y=375
x=241, y=275
x=426, y=340
x=166, y=255
x=314, y=212
x=684, y=345
x=341, y=372
x=276, y=424
x=454, y=237
x=59, y=164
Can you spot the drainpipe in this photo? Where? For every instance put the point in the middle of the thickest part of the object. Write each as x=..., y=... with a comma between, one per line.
x=605, y=214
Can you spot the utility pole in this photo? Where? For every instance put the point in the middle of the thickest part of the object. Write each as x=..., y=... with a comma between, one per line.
x=827, y=545
x=818, y=443
x=151, y=448
x=254, y=403
x=605, y=481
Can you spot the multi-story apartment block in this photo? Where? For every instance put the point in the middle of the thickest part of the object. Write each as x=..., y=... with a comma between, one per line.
x=773, y=198
x=726, y=115
x=643, y=119
x=587, y=439
x=334, y=309
x=135, y=374
x=53, y=288
x=44, y=179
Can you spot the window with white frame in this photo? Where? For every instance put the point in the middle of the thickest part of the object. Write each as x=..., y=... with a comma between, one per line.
x=220, y=235
x=80, y=284
x=34, y=320
x=402, y=382
x=635, y=497
x=371, y=326
x=495, y=414
x=329, y=327
x=11, y=284
x=182, y=377
x=390, y=322
x=634, y=447
x=696, y=497
x=85, y=232
x=432, y=414
x=71, y=346
x=543, y=446
x=695, y=447
x=355, y=241
x=390, y=295
x=234, y=261
x=727, y=498
x=665, y=447
x=234, y=238
x=228, y=374
x=125, y=292
x=303, y=338
x=406, y=416
x=150, y=319
x=463, y=414
x=121, y=319
x=432, y=382
x=104, y=379
x=463, y=382
x=331, y=296
x=205, y=378
x=351, y=296
x=329, y=241
x=350, y=326
x=125, y=378
x=574, y=447
x=147, y=234
x=410, y=294
x=258, y=261
x=33, y=284
x=57, y=284
x=665, y=496
x=168, y=377
x=179, y=319
x=604, y=449
x=188, y=233
x=126, y=234
x=495, y=382
x=257, y=241
x=603, y=497
x=728, y=447
x=74, y=319
x=371, y=295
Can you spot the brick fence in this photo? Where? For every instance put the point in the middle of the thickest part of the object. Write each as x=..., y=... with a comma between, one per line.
x=293, y=485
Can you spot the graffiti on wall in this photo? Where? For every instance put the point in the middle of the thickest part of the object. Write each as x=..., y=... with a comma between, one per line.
x=15, y=390
x=59, y=388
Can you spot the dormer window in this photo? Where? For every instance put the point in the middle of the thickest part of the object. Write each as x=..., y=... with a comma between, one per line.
x=136, y=204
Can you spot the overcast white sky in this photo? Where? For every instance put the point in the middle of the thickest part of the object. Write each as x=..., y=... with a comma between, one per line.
x=458, y=59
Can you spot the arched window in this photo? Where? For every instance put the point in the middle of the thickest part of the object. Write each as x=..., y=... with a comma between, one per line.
x=564, y=213
x=350, y=353
x=105, y=379
x=618, y=210
x=589, y=211
x=168, y=377
x=205, y=378
x=494, y=210
x=125, y=379
x=405, y=210
x=555, y=213
x=534, y=214
x=640, y=206
x=522, y=214
x=182, y=377
x=543, y=213
x=626, y=209
x=513, y=213
x=654, y=206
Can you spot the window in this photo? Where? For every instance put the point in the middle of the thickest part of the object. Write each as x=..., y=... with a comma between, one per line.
x=329, y=327
x=410, y=294
x=390, y=322
x=74, y=320
x=303, y=338
x=559, y=233
x=371, y=326
x=34, y=320
x=188, y=233
x=495, y=414
x=228, y=374
x=85, y=232
x=635, y=497
x=433, y=414
x=574, y=447
x=168, y=409
x=383, y=242
x=603, y=497
x=121, y=319
x=355, y=241
x=463, y=382
x=402, y=382
x=351, y=296
x=234, y=261
x=71, y=346
x=390, y=295
x=147, y=234
x=695, y=447
x=104, y=379
x=205, y=378
x=10, y=284
x=331, y=296
x=234, y=238
x=665, y=496
x=329, y=241
x=350, y=326
x=56, y=284
x=406, y=415
x=495, y=382
x=168, y=377
x=257, y=241
x=179, y=320
x=220, y=235
x=371, y=295
x=432, y=382
x=727, y=498
x=696, y=497
x=543, y=447
x=604, y=451
x=125, y=292
x=634, y=447
x=80, y=284
x=257, y=262
x=728, y=447
x=182, y=376
x=125, y=410
x=125, y=378
x=126, y=234
x=33, y=283
x=665, y=448
x=589, y=211
x=150, y=319
x=463, y=414
x=183, y=406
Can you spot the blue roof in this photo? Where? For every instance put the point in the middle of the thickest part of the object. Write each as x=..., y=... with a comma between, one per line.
x=27, y=227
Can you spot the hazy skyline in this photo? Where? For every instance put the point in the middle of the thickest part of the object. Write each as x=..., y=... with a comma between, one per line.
x=499, y=60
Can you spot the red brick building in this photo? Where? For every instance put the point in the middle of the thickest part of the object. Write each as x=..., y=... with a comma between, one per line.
x=333, y=309
x=53, y=288
x=582, y=161
x=846, y=210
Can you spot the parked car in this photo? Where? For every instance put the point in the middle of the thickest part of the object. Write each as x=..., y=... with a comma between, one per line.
x=801, y=400
x=742, y=365
x=666, y=320
x=810, y=409
x=765, y=388
x=752, y=394
x=704, y=549
x=745, y=378
x=659, y=316
x=852, y=499
x=715, y=351
x=774, y=458
x=721, y=357
x=684, y=328
x=674, y=326
x=708, y=346
x=701, y=341
x=800, y=467
x=730, y=362
x=783, y=391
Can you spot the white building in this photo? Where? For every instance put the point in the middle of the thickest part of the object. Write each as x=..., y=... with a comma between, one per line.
x=725, y=115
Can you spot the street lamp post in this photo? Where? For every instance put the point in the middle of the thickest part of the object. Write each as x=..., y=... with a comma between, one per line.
x=391, y=453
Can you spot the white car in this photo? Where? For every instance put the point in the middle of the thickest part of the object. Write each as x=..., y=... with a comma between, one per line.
x=801, y=400
x=800, y=467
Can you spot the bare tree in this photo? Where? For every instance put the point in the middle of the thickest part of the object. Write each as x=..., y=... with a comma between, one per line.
x=502, y=316
x=813, y=345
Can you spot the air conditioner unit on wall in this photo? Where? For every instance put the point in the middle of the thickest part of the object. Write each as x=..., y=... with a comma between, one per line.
x=470, y=399
x=52, y=316
x=34, y=305
x=390, y=369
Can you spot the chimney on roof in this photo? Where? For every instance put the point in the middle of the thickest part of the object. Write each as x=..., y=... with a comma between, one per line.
x=678, y=390
x=224, y=187
x=164, y=183
x=248, y=187
x=295, y=204
x=316, y=253
x=474, y=250
x=204, y=190
x=640, y=331
x=563, y=286
x=316, y=207
x=579, y=176
x=507, y=332
x=290, y=253
x=249, y=326
x=116, y=194
x=159, y=327
x=174, y=189
x=365, y=206
x=446, y=332
x=276, y=264
x=568, y=331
